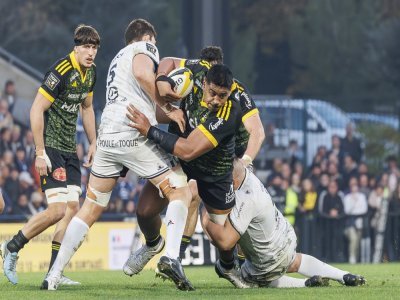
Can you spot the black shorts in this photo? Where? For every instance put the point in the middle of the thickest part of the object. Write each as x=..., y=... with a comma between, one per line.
x=217, y=195
x=65, y=171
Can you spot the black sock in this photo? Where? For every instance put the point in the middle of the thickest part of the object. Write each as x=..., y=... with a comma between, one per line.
x=17, y=242
x=241, y=259
x=154, y=242
x=185, y=242
x=227, y=264
x=55, y=247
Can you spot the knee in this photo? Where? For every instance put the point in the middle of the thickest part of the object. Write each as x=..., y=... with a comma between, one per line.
x=73, y=207
x=55, y=213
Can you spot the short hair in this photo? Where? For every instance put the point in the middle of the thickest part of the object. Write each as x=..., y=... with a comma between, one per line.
x=220, y=75
x=212, y=53
x=86, y=34
x=137, y=29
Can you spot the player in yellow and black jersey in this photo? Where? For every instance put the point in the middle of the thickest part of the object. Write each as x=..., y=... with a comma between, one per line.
x=67, y=87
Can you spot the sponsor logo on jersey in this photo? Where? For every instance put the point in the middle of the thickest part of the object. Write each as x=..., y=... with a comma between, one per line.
x=74, y=76
x=230, y=196
x=77, y=96
x=192, y=61
x=214, y=126
x=60, y=174
x=151, y=48
x=51, y=81
x=247, y=100
x=73, y=107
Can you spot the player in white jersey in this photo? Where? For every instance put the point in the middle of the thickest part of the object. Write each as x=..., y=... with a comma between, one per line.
x=267, y=240
x=131, y=80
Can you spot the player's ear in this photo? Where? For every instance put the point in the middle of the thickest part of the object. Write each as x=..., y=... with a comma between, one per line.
x=146, y=38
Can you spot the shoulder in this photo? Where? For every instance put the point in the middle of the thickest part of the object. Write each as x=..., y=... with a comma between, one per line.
x=62, y=67
x=146, y=48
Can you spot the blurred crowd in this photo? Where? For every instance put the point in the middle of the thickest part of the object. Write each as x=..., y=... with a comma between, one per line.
x=19, y=181
x=336, y=205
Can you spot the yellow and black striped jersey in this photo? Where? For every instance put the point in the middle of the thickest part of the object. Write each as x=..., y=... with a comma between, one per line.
x=66, y=87
x=219, y=127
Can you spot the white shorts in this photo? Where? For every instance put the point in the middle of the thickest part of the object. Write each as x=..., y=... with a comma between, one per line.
x=119, y=152
x=276, y=267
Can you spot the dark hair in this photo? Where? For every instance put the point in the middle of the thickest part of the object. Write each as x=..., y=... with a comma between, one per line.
x=220, y=75
x=212, y=54
x=137, y=29
x=86, y=34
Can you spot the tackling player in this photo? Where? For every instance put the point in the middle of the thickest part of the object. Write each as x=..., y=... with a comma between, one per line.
x=267, y=240
x=205, y=149
x=67, y=86
x=131, y=80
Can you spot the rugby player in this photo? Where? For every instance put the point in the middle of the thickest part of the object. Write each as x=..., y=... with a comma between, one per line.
x=267, y=240
x=248, y=141
x=67, y=86
x=131, y=80
x=205, y=149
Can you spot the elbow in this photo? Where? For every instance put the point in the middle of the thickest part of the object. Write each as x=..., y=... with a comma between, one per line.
x=142, y=76
x=261, y=135
x=187, y=156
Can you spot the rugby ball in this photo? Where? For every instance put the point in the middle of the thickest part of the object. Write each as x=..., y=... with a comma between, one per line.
x=183, y=79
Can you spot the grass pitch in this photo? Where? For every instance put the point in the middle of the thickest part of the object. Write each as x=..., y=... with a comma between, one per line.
x=383, y=282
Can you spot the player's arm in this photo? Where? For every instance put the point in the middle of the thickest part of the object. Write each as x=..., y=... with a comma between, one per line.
x=256, y=132
x=195, y=145
x=89, y=124
x=143, y=70
x=39, y=106
x=164, y=84
x=224, y=237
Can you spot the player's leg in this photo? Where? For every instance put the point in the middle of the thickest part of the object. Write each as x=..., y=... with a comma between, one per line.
x=55, y=187
x=191, y=220
x=309, y=266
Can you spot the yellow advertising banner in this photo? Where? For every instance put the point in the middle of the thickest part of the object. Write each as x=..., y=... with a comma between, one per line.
x=106, y=247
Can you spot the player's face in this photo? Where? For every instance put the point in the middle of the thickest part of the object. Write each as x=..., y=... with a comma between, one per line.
x=85, y=54
x=215, y=96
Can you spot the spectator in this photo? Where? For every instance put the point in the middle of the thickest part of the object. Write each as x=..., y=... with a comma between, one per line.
x=286, y=171
x=349, y=170
x=355, y=206
x=5, y=139
x=36, y=205
x=299, y=170
x=320, y=155
x=308, y=196
x=15, y=141
x=292, y=199
x=26, y=184
x=334, y=152
x=22, y=206
x=315, y=174
x=350, y=145
x=6, y=119
x=295, y=153
x=20, y=161
x=11, y=186
x=323, y=183
x=124, y=190
x=10, y=93
x=130, y=207
x=277, y=193
x=334, y=174
x=364, y=185
x=29, y=146
x=393, y=173
x=331, y=201
x=363, y=168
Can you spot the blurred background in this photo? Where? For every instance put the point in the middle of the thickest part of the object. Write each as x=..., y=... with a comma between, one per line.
x=324, y=73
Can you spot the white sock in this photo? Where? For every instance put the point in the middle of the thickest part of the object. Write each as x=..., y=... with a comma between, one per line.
x=288, y=282
x=311, y=266
x=175, y=220
x=73, y=238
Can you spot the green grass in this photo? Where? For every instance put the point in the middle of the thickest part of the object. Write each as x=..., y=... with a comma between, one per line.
x=383, y=282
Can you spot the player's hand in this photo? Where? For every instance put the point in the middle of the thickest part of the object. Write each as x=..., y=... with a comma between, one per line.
x=42, y=163
x=177, y=115
x=165, y=90
x=90, y=155
x=138, y=120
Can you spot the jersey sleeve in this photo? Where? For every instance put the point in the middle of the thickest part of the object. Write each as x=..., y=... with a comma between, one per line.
x=195, y=65
x=247, y=103
x=242, y=213
x=53, y=82
x=222, y=124
x=148, y=49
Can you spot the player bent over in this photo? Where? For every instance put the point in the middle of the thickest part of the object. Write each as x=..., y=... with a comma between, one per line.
x=131, y=80
x=205, y=149
x=67, y=86
x=267, y=240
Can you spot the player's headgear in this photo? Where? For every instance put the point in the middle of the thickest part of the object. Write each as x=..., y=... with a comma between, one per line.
x=86, y=34
x=220, y=75
x=137, y=29
x=212, y=54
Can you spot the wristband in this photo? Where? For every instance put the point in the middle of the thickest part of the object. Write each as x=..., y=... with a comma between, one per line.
x=167, y=79
x=164, y=139
x=247, y=159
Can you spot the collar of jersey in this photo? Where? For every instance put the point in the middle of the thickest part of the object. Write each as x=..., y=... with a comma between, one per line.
x=77, y=66
x=202, y=103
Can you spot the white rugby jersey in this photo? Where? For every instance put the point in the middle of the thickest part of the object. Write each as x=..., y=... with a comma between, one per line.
x=263, y=229
x=123, y=88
